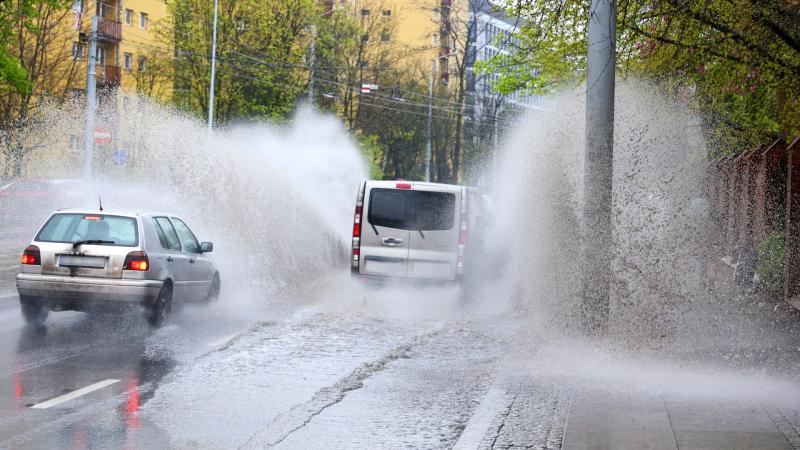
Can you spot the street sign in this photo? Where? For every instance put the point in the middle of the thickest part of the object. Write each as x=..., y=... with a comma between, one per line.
x=366, y=88
x=120, y=157
x=102, y=135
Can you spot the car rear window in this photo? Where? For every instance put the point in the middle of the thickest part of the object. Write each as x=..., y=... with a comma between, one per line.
x=411, y=210
x=71, y=228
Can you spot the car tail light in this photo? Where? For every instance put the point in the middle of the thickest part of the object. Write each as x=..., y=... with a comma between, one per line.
x=31, y=256
x=403, y=185
x=136, y=261
x=356, y=254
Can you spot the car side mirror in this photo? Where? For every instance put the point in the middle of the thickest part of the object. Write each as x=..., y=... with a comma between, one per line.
x=206, y=247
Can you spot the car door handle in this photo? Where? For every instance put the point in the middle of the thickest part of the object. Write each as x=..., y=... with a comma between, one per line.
x=170, y=259
x=392, y=242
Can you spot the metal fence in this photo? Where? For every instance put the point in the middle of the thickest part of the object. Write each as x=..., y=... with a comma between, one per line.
x=756, y=194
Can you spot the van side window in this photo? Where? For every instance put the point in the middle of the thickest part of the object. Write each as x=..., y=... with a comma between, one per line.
x=166, y=234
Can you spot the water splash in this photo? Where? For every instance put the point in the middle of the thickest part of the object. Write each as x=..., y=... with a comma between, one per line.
x=660, y=305
x=276, y=200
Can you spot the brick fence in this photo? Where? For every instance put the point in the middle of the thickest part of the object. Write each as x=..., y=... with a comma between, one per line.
x=756, y=193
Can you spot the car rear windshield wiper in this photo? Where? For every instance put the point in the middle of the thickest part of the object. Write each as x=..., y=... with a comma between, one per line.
x=92, y=241
x=421, y=234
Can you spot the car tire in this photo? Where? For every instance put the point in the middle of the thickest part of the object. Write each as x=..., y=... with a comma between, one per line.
x=214, y=289
x=158, y=312
x=34, y=311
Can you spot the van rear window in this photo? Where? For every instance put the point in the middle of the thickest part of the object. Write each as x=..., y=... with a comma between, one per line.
x=411, y=210
x=71, y=228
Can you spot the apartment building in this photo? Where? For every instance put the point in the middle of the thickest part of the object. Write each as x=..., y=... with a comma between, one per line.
x=125, y=37
x=423, y=29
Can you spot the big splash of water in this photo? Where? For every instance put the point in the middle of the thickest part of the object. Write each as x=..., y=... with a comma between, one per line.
x=277, y=201
x=667, y=330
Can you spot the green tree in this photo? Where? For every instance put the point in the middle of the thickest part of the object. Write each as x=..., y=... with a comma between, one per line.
x=261, y=48
x=738, y=60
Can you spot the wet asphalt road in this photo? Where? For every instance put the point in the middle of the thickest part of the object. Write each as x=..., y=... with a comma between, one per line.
x=211, y=380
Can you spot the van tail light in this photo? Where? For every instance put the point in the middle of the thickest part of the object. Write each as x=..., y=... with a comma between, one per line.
x=136, y=261
x=32, y=256
x=356, y=249
x=463, y=233
x=403, y=185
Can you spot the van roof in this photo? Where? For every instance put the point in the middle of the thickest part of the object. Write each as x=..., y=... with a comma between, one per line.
x=392, y=184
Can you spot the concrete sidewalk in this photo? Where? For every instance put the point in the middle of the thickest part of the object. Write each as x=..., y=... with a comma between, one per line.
x=543, y=415
x=602, y=420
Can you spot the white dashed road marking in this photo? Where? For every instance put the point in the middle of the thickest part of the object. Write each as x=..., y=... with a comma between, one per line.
x=479, y=422
x=74, y=394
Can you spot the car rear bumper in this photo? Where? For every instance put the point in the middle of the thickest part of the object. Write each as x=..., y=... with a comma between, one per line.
x=56, y=288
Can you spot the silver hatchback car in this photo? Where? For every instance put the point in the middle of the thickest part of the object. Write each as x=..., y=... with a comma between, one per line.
x=84, y=260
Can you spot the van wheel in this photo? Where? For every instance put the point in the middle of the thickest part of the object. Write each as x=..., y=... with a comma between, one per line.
x=34, y=311
x=213, y=291
x=159, y=311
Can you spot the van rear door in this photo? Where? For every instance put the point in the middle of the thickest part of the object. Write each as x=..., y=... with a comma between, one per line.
x=433, y=238
x=384, y=233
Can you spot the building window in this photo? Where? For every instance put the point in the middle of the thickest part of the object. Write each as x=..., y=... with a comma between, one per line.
x=128, y=17
x=101, y=56
x=364, y=12
x=436, y=14
x=142, y=64
x=387, y=13
x=128, y=61
x=77, y=50
x=364, y=38
x=435, y=39
x=105, y=11
x=143, y=20
x=386, y=37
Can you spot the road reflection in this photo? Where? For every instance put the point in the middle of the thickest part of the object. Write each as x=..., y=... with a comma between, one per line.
x=71, y=354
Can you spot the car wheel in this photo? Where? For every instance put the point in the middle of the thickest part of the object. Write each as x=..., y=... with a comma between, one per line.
x=34, y=311
x=213, y=291
x=159, y=311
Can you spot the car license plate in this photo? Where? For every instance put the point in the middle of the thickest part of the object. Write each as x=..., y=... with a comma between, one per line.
x=93, y=262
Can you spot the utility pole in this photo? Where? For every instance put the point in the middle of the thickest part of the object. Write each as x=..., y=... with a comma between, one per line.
x=311, y=65
x=88, y=134
x=430, y=123
x=213, y=71
x=599, y=164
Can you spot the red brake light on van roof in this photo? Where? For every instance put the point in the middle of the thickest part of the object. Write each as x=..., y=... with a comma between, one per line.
x=31, y=256
x=92, y=218
x=403, y=185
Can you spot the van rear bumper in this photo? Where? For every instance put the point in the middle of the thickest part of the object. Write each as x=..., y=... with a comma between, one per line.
x=55, y=289
x=380, y=280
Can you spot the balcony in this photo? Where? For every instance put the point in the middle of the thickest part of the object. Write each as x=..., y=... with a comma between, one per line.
x=109, y=30
x=108, y=76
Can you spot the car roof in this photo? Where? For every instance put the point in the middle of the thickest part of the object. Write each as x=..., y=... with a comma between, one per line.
x=113, y=212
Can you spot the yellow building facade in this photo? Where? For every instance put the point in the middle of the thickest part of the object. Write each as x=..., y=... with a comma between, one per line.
x=127, y=35
x=424, y=31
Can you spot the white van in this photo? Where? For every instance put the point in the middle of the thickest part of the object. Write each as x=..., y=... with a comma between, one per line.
x=415, y=230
